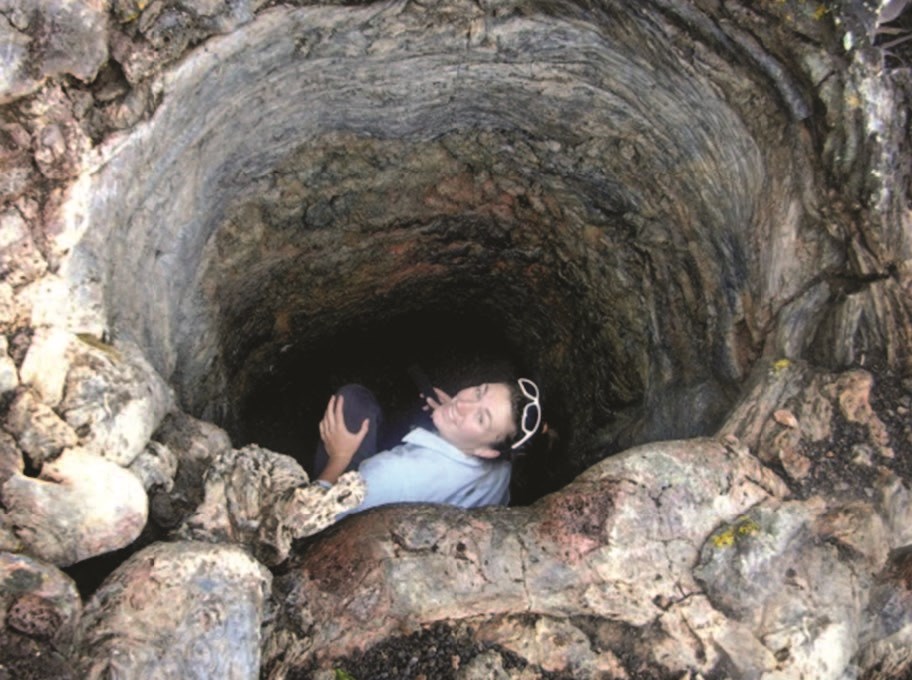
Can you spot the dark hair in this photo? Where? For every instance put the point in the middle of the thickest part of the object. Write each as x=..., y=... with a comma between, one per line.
x=517, y=404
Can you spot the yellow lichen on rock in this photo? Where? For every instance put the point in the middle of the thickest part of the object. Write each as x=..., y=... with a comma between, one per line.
x=744, y=526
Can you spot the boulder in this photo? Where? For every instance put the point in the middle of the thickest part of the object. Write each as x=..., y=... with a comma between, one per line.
x=176, y=610
x=263, y=500
x=80, y=505
x=39, y=609
x=114, y=398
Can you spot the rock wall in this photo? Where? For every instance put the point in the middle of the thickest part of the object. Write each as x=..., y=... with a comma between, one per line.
x=689, y=219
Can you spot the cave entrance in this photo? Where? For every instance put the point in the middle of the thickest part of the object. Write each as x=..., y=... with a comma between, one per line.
x=614, y=219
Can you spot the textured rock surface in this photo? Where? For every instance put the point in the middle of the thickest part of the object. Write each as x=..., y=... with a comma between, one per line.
x=176, y=610
x=39, y=610
x=663, y=559
x=680, y=216
x=194, y=444
x=116, y=398
x=618, y=544
x=263, y=500
x=80, y=505
x=46, y=38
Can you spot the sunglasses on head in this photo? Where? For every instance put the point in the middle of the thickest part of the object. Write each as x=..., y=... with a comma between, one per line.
x=531, y=415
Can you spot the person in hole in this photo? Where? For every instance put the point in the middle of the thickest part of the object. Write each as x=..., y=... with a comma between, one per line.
x=464, y=461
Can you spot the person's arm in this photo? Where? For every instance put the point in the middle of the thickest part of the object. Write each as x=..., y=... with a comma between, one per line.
x=339, y=442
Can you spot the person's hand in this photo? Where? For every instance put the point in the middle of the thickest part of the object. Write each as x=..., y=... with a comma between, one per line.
x=442, y=399
x=339, y=442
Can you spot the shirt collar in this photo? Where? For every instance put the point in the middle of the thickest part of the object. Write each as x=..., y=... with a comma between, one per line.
x=431, y=440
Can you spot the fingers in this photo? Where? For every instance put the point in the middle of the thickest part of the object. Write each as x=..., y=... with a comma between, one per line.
x=340, y=409
x=324, y=432
x=442, y=398
x=362, y=433
x=334, y=418
x=328, y=413
x=335, y=412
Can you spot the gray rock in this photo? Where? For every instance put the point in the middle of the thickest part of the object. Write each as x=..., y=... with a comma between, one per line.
x=885, y=645
x=41, y=607
x=801, y=600
x=156, y=467
x=195, y=444
x=555, y=645
x=16, y=168
x=49, y=38
x=163, y=30
x=114, y=398
x=177, y=610
x=487, y=666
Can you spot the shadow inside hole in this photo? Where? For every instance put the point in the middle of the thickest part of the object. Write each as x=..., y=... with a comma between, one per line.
x=282, y=410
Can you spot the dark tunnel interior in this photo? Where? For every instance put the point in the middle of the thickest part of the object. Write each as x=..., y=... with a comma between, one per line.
x=455, y=348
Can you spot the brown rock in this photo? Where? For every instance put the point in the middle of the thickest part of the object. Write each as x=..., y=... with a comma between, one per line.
x=796, y=465
x=854, y=403
x=616, y=539
x=40, y=433
x=39, y=601
x=858, y=527
x=786, y=418
x=34, y=616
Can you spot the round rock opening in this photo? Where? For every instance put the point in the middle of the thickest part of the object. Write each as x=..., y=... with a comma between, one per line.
x=690, y=222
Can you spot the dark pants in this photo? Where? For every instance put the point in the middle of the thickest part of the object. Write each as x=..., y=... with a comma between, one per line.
x=359, y=403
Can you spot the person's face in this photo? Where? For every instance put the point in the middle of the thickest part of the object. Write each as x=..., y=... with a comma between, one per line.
x=476, y=418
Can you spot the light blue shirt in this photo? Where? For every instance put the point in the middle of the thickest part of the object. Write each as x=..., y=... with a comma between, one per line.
x=425, y=468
